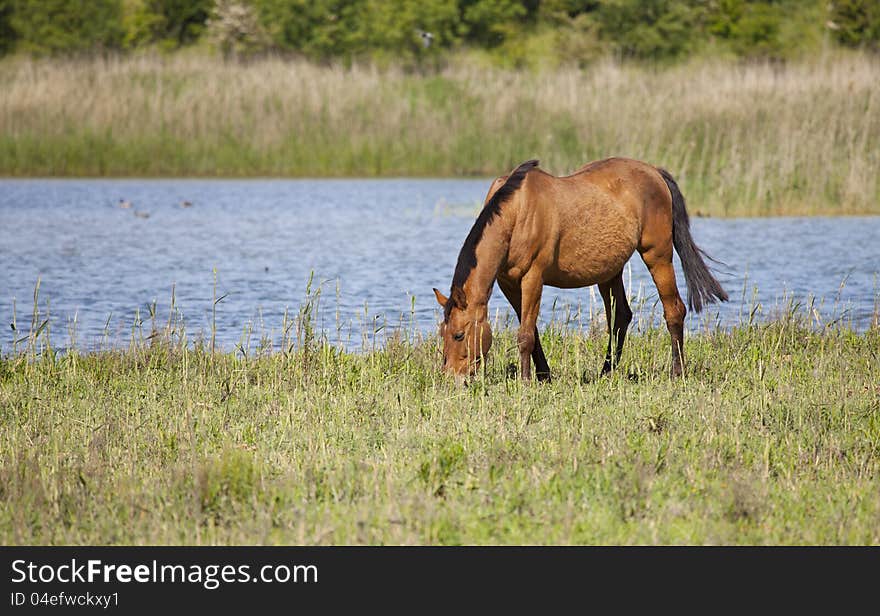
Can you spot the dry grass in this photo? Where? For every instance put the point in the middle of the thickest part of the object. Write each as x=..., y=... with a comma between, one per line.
x=756, y=139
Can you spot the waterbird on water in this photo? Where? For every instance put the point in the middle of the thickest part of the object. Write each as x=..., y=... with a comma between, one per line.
x=185, y=203
x=140, y=214
x=124, y=204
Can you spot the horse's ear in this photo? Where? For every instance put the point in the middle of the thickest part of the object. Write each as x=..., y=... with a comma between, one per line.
x=441, y=299
x=458, y=298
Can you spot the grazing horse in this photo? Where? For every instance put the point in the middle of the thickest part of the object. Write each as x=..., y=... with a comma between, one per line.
x=570, y=232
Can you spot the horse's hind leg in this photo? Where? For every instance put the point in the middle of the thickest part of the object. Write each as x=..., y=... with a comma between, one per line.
x=618, y=315
x=514, y=296
x=659, y=263
x=542, y=368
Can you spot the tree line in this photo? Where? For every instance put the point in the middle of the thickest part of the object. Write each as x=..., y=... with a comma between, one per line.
x=509, y=31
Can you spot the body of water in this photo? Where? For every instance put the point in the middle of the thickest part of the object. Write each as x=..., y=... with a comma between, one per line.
x=375, y=247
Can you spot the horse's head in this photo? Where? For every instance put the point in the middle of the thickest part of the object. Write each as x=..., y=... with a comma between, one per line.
x=465, y=332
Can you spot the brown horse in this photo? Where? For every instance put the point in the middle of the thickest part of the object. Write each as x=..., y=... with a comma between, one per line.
x=571, y=232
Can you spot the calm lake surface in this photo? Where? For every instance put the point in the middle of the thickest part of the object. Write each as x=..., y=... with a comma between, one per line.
x=376, y=248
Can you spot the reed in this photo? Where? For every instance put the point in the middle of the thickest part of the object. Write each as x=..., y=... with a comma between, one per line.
x=742, y=139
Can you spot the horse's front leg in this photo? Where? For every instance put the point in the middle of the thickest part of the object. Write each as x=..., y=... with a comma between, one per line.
x=513, y=294
x=530, y=287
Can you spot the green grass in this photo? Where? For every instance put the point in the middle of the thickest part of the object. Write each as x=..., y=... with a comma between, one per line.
x=743, y=139
x=773, y=438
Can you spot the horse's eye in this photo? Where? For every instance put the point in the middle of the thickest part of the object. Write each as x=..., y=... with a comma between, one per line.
x=458, y=337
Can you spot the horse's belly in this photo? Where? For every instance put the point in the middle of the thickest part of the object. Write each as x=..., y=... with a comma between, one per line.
x=562, y=281
x=590, y=258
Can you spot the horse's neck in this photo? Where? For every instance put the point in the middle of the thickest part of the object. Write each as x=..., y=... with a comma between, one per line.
x=491, y=252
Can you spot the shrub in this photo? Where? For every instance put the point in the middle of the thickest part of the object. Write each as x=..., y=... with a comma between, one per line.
x=7, y=33
x=655, y=29
x=856, y=23
x=236, y=30
x=168, y=23
x=56, y=26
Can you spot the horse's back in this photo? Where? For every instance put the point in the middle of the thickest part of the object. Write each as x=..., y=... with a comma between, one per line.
x=618, y=174
x=631, y=191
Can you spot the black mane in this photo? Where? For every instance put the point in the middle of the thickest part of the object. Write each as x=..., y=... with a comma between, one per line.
x=467, y=257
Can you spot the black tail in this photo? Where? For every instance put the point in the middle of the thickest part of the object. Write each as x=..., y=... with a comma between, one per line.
x=701, y=284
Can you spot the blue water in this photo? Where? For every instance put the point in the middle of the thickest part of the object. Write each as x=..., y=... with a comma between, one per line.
x=374, y=246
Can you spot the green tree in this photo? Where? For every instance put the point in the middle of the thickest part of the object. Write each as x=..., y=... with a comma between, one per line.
x=7, y=33
x=553, y=10
x=331, y=28
x=757, y=32
x=856, y=23
x=169, y=23
x=317, y=28
x=749, y=27
x=647, y=29
x=488, y=23
x=66, y=26
x=396, y=27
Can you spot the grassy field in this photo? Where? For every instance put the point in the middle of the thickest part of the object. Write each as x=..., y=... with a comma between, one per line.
x=773, y=438
x=743, y=139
